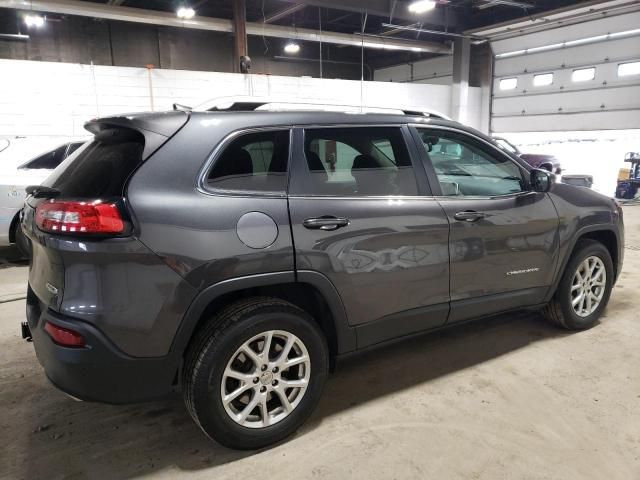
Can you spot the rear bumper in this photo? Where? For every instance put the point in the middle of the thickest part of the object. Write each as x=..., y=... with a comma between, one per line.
x=99, y=371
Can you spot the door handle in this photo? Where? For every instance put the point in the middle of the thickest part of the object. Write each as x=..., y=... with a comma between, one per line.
x=325, y=223
x=469, y=216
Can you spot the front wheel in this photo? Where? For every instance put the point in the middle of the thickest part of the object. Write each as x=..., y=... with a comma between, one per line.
x=255, y=373
x=585, y=287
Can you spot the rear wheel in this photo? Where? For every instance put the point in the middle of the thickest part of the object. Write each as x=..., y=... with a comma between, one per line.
x=585, y=287
x=255, y=373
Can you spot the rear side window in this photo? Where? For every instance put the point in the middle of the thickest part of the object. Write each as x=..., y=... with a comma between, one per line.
x=49, y=160
x=255, y=162
x=359, y=161
x=102, y=167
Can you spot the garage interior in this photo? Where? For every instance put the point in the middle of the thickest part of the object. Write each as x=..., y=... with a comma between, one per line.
x=506, y=397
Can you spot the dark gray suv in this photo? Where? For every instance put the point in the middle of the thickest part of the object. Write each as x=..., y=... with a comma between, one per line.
x=234, y=256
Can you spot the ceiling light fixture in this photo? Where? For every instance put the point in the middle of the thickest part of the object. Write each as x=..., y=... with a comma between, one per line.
x=422, y=6
x=185, y=13
x=292, y=48
x=34, y=21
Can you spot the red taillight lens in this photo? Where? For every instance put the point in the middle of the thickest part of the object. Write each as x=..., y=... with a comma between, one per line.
x=79, y=217
x=64, y=336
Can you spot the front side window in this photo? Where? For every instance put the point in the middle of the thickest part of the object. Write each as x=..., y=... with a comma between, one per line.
x=359, y=161
x=465, y=169
x=254, y=161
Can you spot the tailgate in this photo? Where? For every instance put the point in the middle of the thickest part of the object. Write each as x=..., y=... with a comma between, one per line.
x=97, y=172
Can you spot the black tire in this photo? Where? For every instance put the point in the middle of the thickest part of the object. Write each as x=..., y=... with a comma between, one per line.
x=559, y=310
x=215, y=345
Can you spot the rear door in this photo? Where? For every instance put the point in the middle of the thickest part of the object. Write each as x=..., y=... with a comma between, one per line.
x=363, y=216
x=504, y=237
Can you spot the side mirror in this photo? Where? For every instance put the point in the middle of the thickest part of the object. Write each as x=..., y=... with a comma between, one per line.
x=541, y=180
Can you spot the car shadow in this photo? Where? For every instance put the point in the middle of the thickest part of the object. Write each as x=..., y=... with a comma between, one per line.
x=11, y=257
x=86, y=440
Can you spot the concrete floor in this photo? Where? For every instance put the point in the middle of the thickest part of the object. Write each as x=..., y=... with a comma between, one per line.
x=504, y=398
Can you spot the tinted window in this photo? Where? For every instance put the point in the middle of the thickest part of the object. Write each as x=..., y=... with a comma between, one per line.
x=465, y=169
x=49, y=160
x=102, y=167
x=253, y=162
x=358, y=161
x=73, y=147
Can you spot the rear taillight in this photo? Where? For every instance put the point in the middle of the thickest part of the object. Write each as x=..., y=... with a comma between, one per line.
x=64, y=336
x=79, y=217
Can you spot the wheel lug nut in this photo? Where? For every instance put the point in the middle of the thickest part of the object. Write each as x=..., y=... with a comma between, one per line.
x=263, y=368
x=256, y=380
x=274, y=383
x=263, y=389
x=275, y=369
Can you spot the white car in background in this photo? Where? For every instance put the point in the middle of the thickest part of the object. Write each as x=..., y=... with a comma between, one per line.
x=24, y=162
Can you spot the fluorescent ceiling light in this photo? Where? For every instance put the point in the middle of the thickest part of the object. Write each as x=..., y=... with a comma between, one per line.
x=34, y=21
x=626, y=69
x=543, y=79
x=508, y=83
x=186, y=13
x=422, y=6
x=292, y=47
x=583, y=74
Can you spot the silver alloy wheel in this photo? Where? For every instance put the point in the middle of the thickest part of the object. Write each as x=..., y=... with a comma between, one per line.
x=588, y=286
x=265, y=379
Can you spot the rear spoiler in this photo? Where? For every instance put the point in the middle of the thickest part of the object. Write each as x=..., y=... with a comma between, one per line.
x=156, y=128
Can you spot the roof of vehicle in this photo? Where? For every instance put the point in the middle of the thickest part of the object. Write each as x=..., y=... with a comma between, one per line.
x=164, y=123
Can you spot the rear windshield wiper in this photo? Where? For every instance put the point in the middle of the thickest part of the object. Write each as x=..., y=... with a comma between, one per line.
x=40, y=191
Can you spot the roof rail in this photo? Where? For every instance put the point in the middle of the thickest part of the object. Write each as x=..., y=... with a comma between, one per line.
x=250, y=103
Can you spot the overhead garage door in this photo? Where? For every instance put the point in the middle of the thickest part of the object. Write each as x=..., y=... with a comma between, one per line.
x=584, y=76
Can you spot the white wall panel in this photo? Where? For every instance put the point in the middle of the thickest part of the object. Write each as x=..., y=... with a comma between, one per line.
x=597, y=53
x=438, y=70
x=607, y=120
x=606, y=102
x=47, y=98
x=569, y=101
x=602, y=26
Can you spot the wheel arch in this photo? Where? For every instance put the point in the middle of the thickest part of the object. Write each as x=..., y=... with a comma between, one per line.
x=310, y=291
x=606, y=235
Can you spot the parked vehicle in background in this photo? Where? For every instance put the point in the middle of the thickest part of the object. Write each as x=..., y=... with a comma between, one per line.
x=234, y=256
x=22, y=163
x=578, y=180
x=537, y=160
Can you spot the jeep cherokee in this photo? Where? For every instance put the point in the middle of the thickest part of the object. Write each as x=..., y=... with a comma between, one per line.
x=234, y=256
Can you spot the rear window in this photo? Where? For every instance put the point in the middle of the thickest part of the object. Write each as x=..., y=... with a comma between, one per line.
x=100, y=168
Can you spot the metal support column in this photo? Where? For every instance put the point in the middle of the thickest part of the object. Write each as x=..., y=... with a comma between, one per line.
x=240, y=32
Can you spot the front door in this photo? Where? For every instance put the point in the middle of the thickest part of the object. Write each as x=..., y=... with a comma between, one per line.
x=362, y=217
x=504, y=237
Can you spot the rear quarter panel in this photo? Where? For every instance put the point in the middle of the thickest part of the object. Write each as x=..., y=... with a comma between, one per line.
x=195, y=232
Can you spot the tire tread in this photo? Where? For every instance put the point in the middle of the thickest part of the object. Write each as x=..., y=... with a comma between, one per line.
x=553, y=310
x=211, y=331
